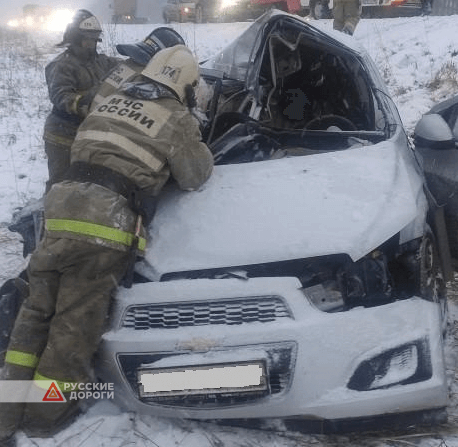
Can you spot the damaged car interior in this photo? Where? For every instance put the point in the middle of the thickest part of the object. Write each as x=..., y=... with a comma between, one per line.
x=305, y=87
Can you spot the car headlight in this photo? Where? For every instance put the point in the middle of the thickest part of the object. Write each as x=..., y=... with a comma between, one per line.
x=409, y=363
x=366, y=282
x=227, y=4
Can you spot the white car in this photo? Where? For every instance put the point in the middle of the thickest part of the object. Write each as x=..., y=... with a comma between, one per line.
x=306, y=279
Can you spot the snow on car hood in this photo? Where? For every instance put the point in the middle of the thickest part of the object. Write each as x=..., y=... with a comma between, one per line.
x=338, y=202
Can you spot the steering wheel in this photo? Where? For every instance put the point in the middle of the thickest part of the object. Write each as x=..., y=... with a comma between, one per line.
x=325, y=121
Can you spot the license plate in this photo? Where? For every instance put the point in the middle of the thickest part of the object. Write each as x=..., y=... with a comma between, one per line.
x=210, y=379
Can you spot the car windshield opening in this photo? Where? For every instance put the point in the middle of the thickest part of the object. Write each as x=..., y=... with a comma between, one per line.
x=304, y=85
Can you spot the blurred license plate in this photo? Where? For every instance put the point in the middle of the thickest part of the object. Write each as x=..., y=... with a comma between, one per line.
x=214, y=379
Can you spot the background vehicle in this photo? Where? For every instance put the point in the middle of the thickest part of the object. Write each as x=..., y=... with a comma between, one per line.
x=125, y=11
x=227, y=10
x=371, y=8
x=318, y=8
x=309, y=261
x=184, y=11
x=42, y=17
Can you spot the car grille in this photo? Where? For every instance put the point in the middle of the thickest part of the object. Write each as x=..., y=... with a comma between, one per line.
x=279, y=361
x=260, y=309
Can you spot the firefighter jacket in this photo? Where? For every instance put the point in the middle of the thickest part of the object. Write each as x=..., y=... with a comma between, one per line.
x=146, y=138
x=121, y=73
x=72, y=80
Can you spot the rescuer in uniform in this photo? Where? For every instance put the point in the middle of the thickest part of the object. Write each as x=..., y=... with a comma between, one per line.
x=139, y=54
x=347, y=14
x=426, y=7
x=73, y=78
x=124, y=152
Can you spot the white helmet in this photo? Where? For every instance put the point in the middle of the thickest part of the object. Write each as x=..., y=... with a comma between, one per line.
x=175, y=67
x=83, y=25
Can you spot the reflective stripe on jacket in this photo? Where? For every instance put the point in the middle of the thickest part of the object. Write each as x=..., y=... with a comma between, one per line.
x=92, y=213
x=94, y=231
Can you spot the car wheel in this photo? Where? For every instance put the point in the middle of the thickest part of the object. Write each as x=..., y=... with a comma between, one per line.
x=430, y=279
x=199, y=14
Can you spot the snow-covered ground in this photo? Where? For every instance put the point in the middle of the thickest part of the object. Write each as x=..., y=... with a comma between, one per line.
x=418, y=58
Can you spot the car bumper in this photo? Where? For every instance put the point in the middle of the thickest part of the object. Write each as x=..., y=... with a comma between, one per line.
x=317, y=364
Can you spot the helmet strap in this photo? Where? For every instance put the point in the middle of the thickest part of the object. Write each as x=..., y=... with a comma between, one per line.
x=190, y=96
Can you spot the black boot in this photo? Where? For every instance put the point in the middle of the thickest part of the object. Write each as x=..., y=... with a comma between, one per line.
x=10, y=419
x=44, y=420
x=11, y=413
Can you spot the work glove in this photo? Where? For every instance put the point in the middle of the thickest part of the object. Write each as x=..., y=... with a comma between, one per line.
x=85, y=100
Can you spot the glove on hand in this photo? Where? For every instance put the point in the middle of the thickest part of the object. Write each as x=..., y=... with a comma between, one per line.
x=85, y=100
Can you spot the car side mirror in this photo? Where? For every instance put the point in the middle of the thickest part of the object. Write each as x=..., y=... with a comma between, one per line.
x=433, y=132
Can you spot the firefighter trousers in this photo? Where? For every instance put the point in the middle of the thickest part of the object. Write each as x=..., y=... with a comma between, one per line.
x=60, y=324
x=347, y=14
x=58, y=162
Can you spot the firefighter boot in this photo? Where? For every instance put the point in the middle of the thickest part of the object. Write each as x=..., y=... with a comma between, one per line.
x=11, y=413
x=44, y=420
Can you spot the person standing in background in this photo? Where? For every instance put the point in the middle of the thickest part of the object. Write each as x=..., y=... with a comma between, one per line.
x=347, y=14
x=426, y=7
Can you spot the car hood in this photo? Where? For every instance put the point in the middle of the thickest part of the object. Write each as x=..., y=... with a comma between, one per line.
x=338, y=202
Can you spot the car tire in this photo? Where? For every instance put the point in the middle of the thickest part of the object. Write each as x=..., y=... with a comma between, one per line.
x=430, y=279
x=199, y=14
